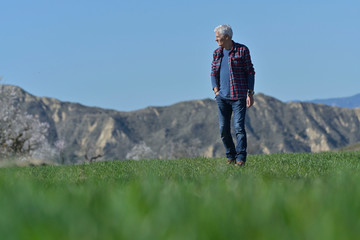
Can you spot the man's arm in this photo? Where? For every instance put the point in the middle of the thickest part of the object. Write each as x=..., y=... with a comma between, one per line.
x=250, y=96
x=215, y=87
x=214, y=69
x=251, y=78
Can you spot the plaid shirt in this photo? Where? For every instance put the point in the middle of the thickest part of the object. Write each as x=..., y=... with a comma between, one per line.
x=241, y=69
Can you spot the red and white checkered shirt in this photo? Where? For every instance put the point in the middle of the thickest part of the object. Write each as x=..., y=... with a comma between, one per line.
x=241, y=69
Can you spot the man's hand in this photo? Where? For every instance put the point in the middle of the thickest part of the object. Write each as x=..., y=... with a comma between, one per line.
x=250, y=100
x=216, y=91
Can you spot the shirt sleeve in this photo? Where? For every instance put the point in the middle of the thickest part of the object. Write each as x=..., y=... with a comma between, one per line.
x=248, y=64
x=213, y=70
x=250, y=70
x=251, y=81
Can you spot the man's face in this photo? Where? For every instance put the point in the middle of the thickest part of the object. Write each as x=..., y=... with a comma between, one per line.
x=221, y=39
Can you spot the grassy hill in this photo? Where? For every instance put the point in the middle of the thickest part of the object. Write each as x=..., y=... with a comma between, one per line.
x=278, y=196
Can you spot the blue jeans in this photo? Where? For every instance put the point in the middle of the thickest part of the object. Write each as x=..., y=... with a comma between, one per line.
x=226, y=108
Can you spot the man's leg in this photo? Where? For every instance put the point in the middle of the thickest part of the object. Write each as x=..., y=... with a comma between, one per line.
x=225, y=111
x=239, y=109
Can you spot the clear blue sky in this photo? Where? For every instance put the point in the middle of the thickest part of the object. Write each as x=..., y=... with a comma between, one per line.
x=127, y=55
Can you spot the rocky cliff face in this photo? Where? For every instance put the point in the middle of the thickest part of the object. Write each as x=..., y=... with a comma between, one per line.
x=190, y=129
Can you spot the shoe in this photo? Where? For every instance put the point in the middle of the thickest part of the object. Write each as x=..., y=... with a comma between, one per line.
x=231, y=161
x=240, y=163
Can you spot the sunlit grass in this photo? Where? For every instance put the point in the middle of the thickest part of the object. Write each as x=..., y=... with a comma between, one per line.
x=278, y=196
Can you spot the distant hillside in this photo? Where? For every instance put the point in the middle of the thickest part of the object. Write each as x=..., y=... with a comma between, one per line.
x=348, y=102
x=353, y=147
x=190, y=129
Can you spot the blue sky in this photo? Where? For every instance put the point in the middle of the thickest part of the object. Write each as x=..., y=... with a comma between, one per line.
x=127, y=55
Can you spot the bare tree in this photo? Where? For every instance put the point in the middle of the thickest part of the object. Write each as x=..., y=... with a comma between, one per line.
x=92, y=154
x=21, y=134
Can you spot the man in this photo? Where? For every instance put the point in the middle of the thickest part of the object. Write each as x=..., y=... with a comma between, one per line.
x=232, y=77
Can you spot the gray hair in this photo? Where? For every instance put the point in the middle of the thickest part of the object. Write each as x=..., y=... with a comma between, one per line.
x=224, y=30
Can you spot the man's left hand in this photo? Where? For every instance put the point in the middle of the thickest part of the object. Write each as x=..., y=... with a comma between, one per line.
x=250, y=100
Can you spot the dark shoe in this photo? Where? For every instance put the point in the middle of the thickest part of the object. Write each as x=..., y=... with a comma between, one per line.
x=240, y=163
x=231, y=161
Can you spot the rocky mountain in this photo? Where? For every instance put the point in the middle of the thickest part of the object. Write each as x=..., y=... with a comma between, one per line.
x=348, y=102
x=190, y=129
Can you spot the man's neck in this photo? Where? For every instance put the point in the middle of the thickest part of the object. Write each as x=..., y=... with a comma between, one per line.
x=228, y=45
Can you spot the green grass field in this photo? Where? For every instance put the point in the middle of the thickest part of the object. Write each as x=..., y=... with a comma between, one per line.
x=278, y=196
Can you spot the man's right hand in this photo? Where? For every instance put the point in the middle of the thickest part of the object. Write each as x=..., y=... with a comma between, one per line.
x=250, y=100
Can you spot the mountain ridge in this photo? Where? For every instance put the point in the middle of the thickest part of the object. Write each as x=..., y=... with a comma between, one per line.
x=190, y=128
x=344, y=102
